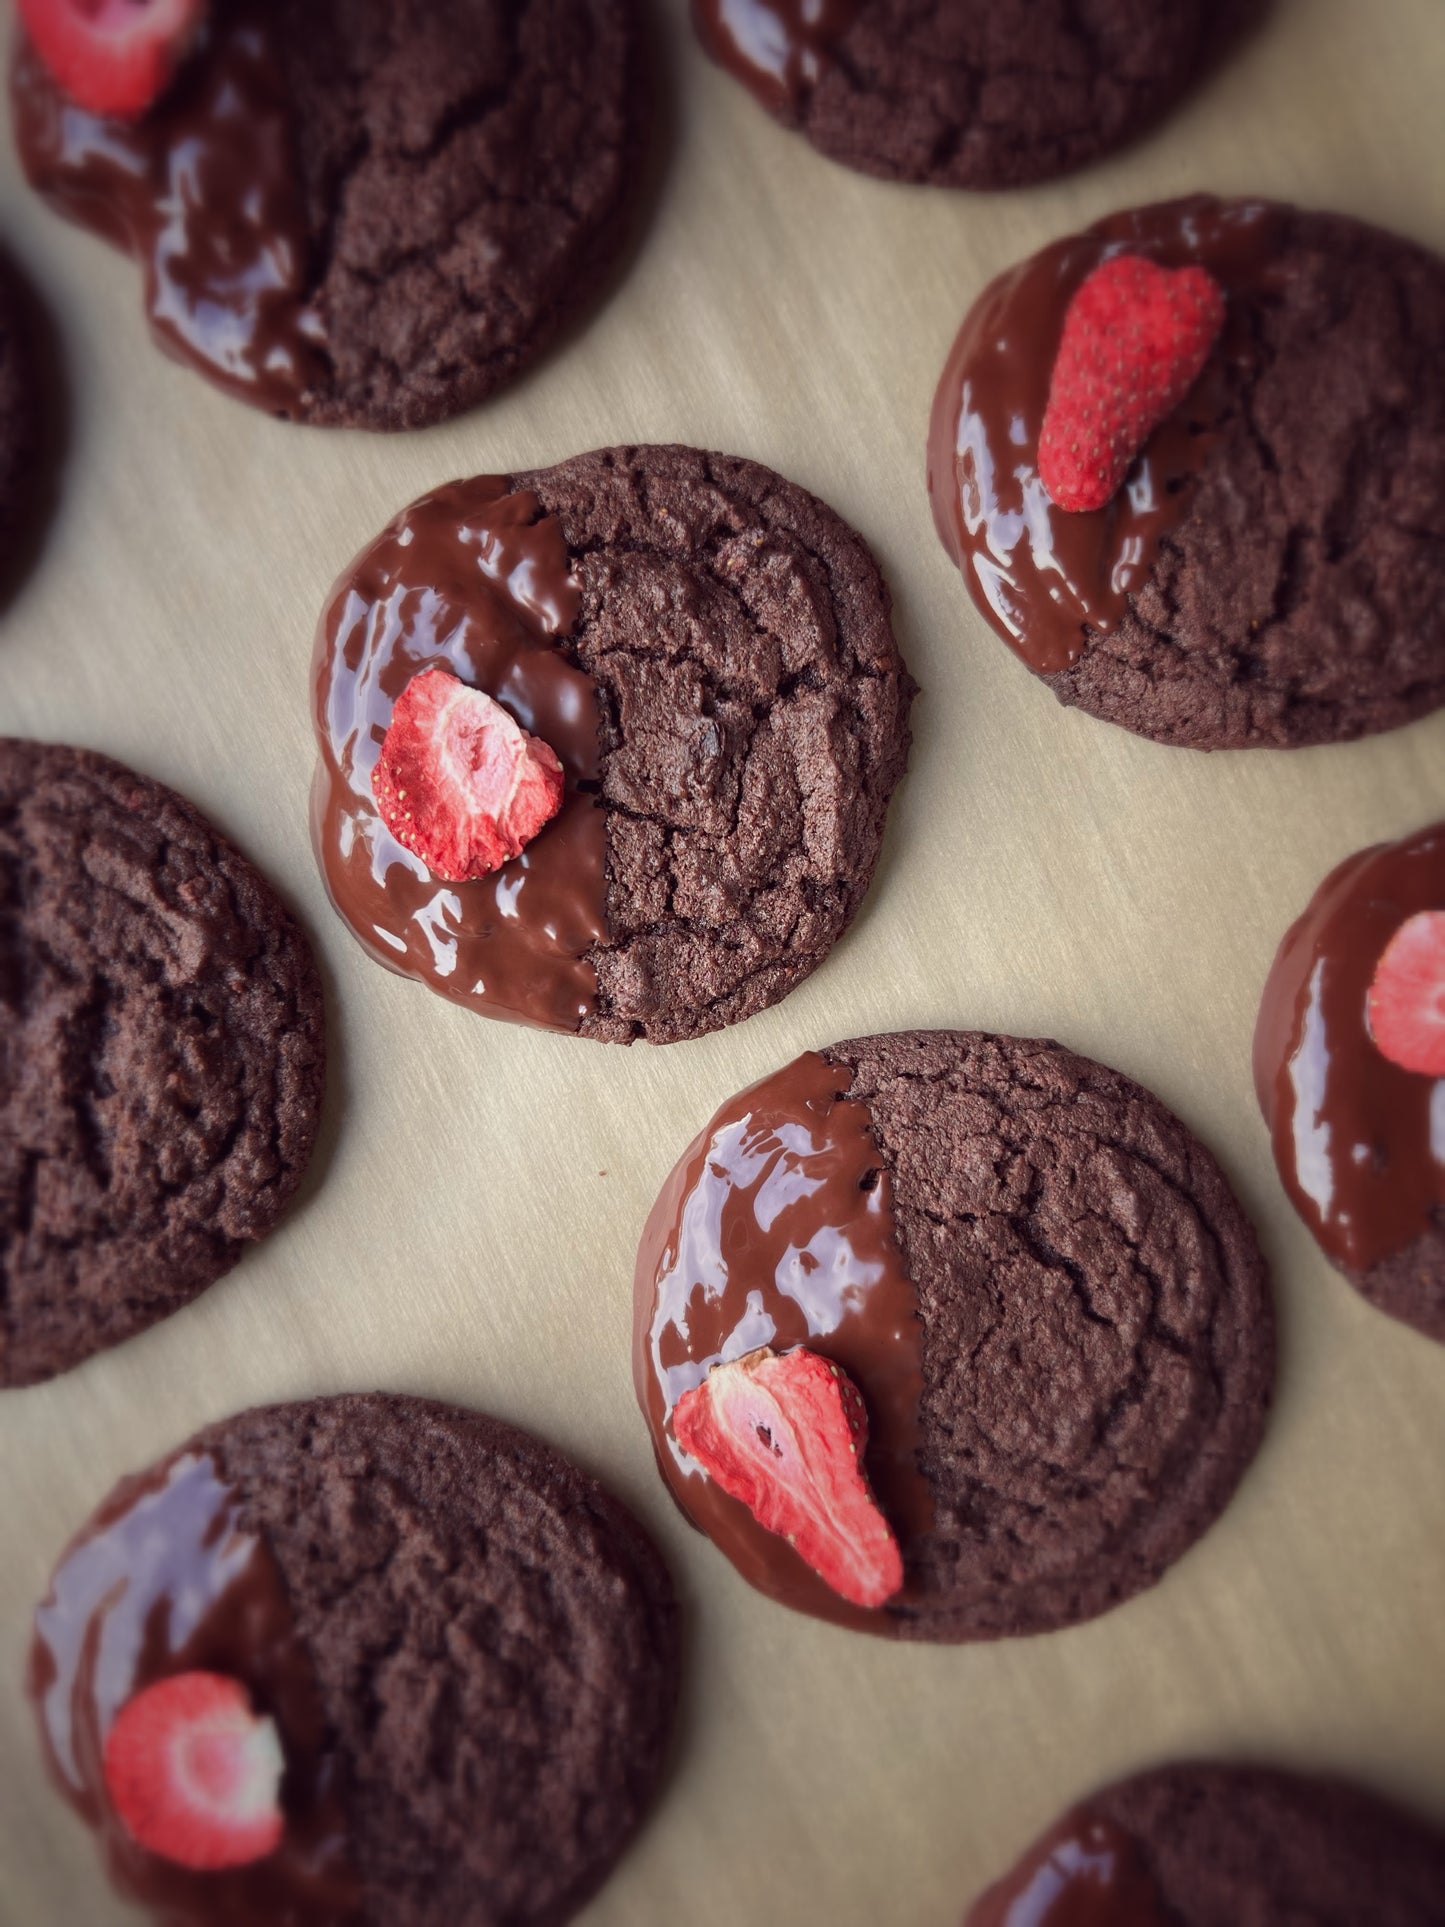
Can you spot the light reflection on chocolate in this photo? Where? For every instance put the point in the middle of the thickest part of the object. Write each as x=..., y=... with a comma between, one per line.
x=1359, y=1141
x=475, y=579
x=776, y=1228
x=1045, y=578
x=165, y=1580
x=776, y=48
x=1085, y=1872
x=204, y=191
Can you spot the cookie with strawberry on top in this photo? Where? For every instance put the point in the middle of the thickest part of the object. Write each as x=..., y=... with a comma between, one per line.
x=354, y=213
x=949, y=1336
x=1349, y=1068
x=365, y=1661
x=1191, y=464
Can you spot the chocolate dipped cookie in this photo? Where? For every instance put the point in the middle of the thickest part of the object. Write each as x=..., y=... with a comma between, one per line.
x=948, y=1336
x=1225, y=1846
x=965, y=93
x=364, y=1661
x=608, y=747
x=1349, y=1068
x=1192, y=466
x=162, y=1056
x=356, y=213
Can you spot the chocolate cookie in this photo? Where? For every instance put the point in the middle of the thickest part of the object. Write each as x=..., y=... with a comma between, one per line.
x=964, y=93
x=161, y=1056
x=707, y=650
x=468, y=1651
x=22, y=391
x=1039, y=1281
x=1273, y=572
x=1358, y=1138
x=1227, y=1846
x=390, y=206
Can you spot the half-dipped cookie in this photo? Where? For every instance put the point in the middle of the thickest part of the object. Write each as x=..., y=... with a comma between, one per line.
x=1349, y=1068
x=364, y=1661
x=162, y=1055
x=1205, y=1845
x=1192, y=466
x=964, y=93
x=360, y=213
x=950, y=1336
x=608, y=747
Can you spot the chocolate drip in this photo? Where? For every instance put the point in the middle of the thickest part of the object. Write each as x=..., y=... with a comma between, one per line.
x=1359, y=1141
x=204, y=191
x=165, y=1580
x=1046, y=578
x=776, y=48
x=1085, y=1872
x=475, y=579
x=776, y=1228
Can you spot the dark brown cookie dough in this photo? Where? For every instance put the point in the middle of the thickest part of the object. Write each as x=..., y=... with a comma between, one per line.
x=726, y=638
x=161, y=1056
x=412, y=199
x=963, y=93
x=470, y=1650
x=1238, y=1846
x=1095, y=1338
x=1274, y=572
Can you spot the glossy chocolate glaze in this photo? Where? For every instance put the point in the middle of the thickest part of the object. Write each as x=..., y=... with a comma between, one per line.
x=776, y=1228
x=1359, y=1141
x=776, y=48
x=204, y=191
x=1046, y=578
x=165, y=1580
x=1085, y=1872
x=476, y=579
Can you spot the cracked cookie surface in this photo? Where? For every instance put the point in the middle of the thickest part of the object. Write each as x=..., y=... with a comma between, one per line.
x=1097, y=1332
x=459, y=181
x=161, y=1056
x=494, y=1638
x=959, y=94
x=1301, y=598
x=754, y=725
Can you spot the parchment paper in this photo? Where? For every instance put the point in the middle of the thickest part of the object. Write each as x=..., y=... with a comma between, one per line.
x=469, y=1229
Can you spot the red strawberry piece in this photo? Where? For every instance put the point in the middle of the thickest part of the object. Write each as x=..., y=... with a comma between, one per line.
x=785, y=1434
x=113, y=56
x=1407, y=996
x=1135, y=338
x=194, y=1774
x=459, y=781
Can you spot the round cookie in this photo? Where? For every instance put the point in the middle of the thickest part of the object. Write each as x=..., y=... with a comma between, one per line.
x=959, y=93
x=22, y=393
x=468, y=1648
x=1038, y=1280
x=1227, y=1846
x=1273, y=571
x=162, y=1056
x=707, y=649
x=413, y=199
x=1359, y=1140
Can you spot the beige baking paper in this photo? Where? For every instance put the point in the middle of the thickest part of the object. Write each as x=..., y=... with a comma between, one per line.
x=469, y=1228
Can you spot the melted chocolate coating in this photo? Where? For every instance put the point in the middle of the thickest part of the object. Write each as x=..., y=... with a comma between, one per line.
x=165, y=1580
x=776, y=1228
x=1085, y=1872
x=1047, y=578
x=1359, y=1140
x=475, y=579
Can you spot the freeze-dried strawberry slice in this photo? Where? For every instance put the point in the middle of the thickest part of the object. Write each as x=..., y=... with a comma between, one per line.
x=785, y=1434
x=1407, y=995
x=113, y=56
x=1135, y=338
x=459, y=781
x=194, y=1774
